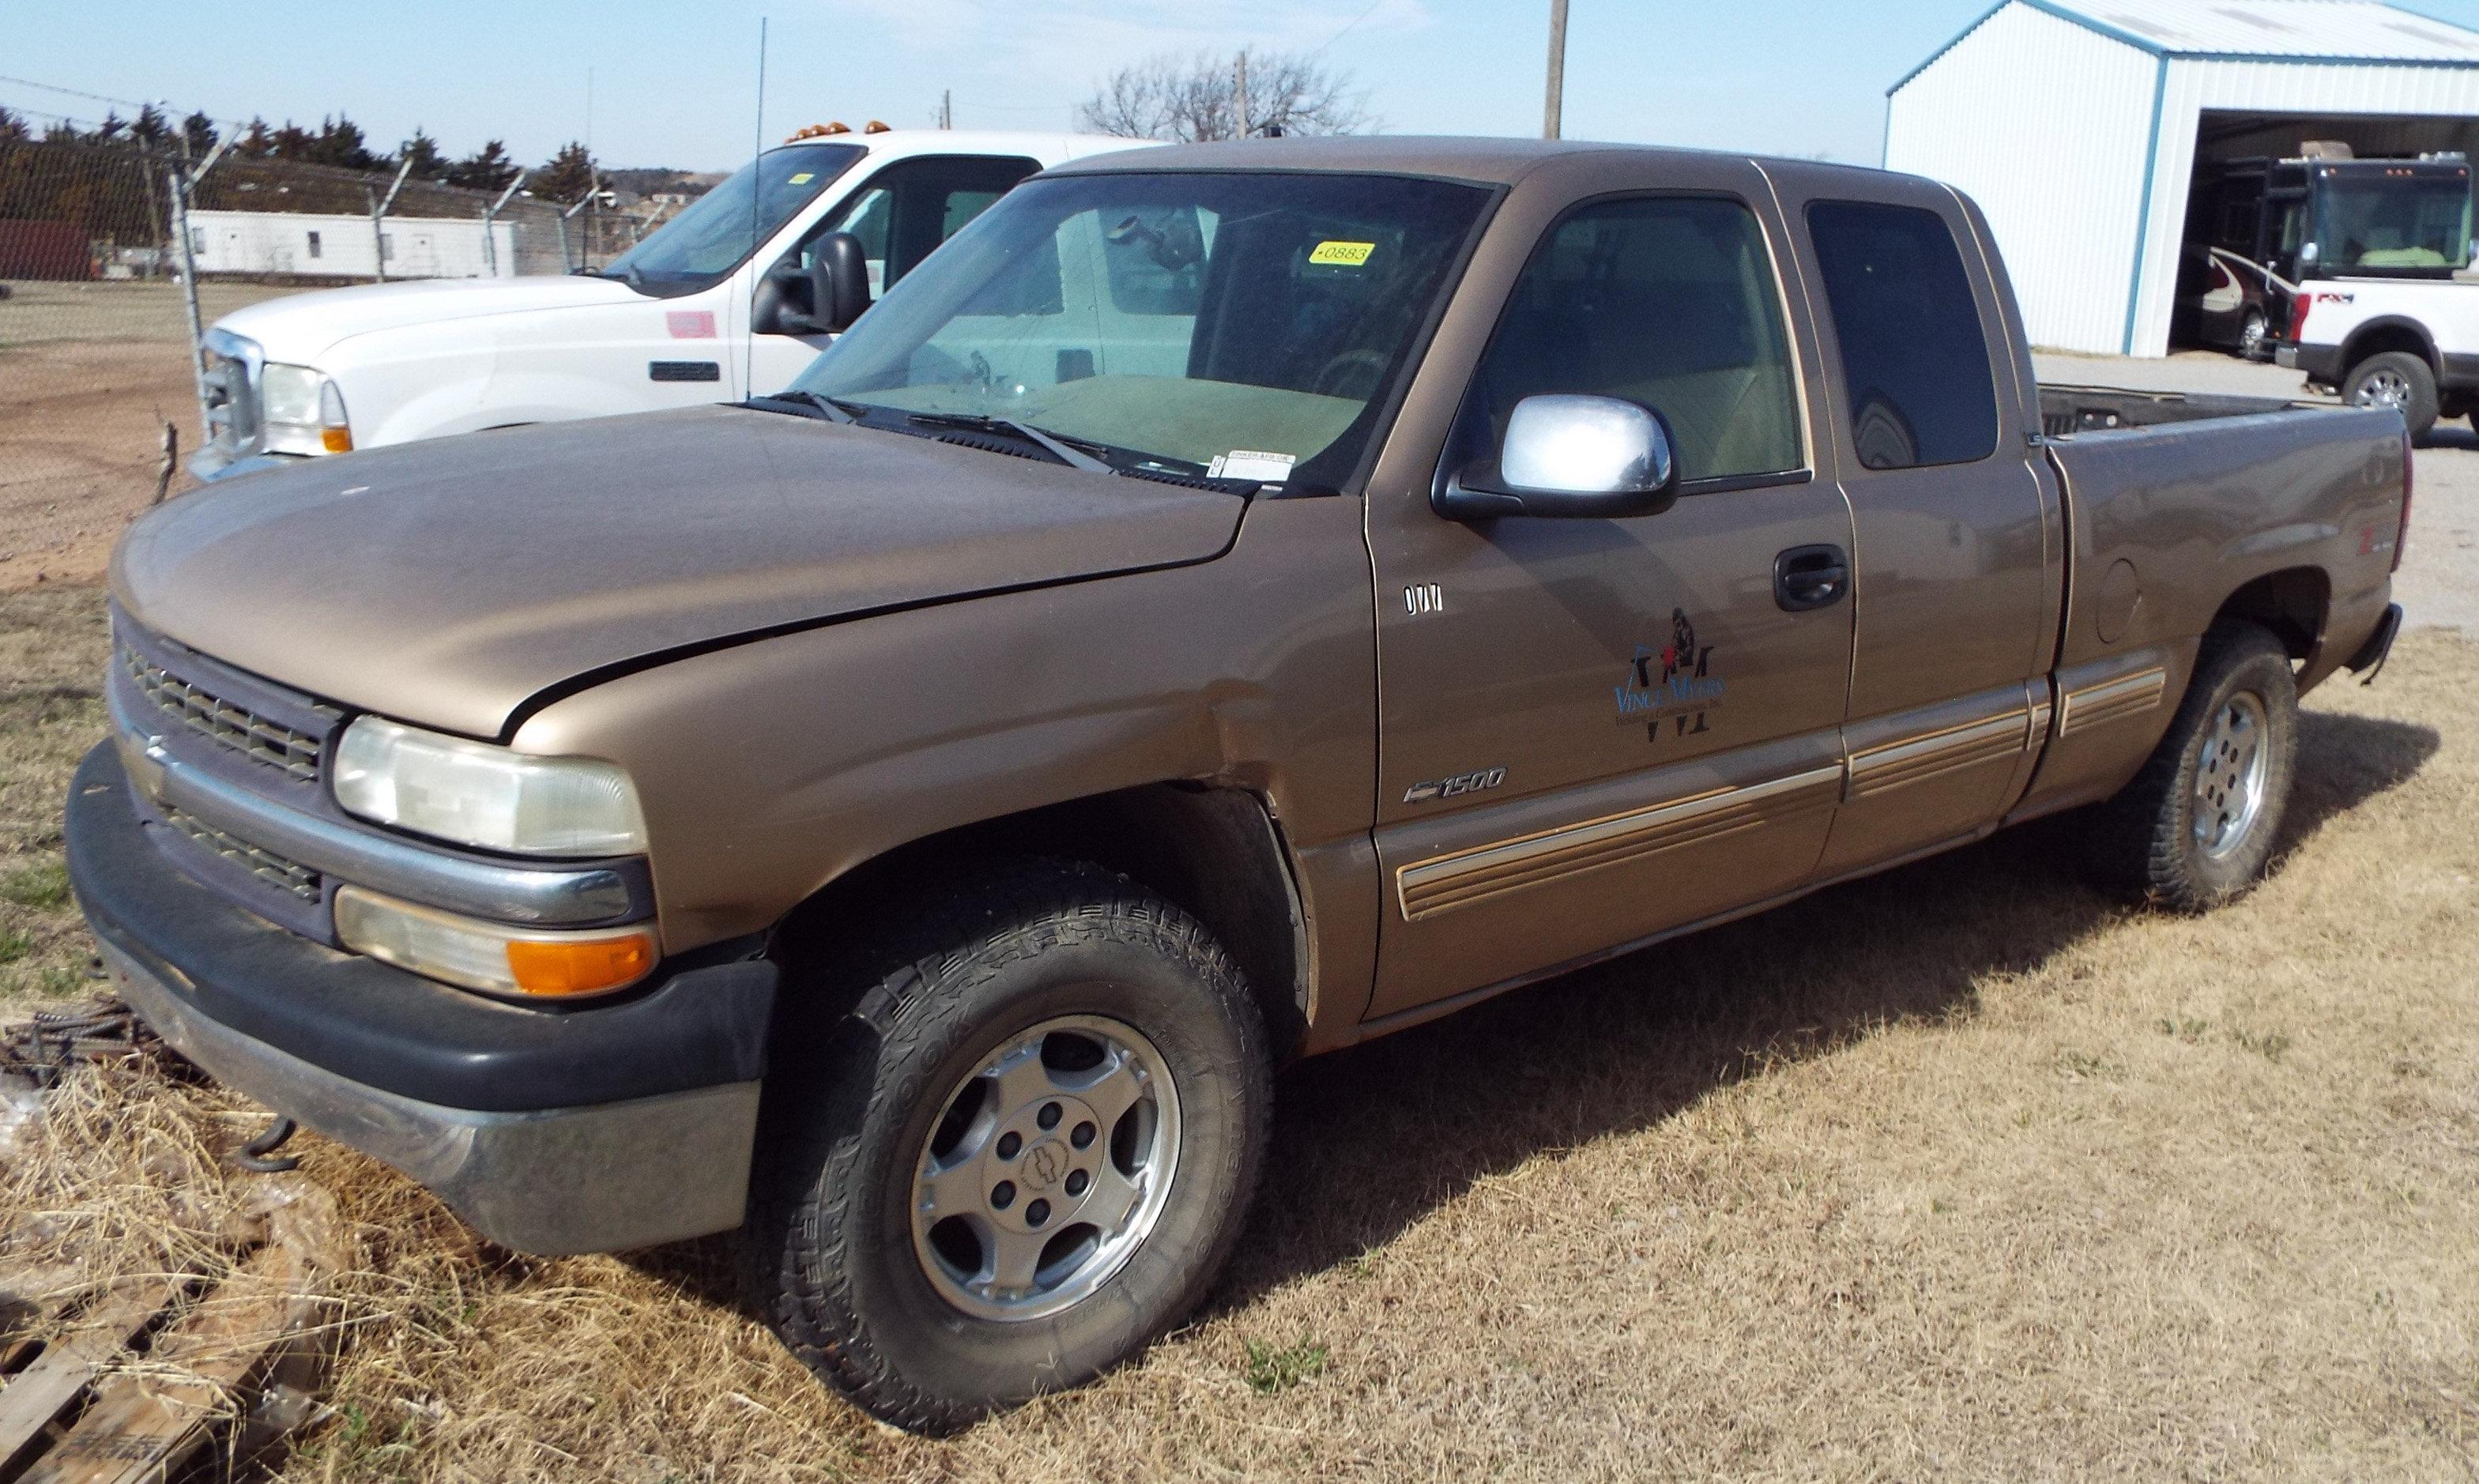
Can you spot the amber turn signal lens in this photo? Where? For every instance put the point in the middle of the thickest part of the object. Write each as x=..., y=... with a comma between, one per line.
x=586, y=967
x=336, y=440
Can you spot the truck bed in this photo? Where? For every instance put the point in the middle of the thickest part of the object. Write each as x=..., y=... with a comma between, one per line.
x=2067, y=410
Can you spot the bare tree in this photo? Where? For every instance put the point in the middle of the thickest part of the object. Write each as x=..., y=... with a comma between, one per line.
x=1199, y=97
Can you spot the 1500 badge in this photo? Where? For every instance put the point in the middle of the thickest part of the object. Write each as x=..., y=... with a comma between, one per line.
x=1451, y=787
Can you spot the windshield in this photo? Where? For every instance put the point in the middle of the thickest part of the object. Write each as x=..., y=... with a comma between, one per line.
x=1246, y=326
x=715, y=232
x=2396, y=224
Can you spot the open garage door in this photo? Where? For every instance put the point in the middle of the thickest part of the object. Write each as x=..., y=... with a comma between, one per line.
x=2243, y=207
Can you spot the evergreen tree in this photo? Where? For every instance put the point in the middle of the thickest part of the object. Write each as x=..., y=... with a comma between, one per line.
x=198, y=132
x=568, y=177
x=423, y=152
x=487, y=168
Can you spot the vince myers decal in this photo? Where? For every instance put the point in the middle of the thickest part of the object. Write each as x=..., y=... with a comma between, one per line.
x=1673, y=683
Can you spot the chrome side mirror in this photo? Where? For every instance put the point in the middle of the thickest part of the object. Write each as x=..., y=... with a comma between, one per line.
x=1574, y=456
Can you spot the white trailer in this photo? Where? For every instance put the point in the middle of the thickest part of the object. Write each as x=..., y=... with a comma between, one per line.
x=319, y=246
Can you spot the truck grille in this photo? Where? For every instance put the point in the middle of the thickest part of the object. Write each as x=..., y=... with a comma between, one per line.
x=297, y=754
x=231, y=395
x=289, y=876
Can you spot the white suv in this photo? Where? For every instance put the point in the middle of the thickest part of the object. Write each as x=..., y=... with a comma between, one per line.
x=690, y=315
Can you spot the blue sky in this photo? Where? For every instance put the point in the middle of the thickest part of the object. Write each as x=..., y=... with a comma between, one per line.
x=673, y=79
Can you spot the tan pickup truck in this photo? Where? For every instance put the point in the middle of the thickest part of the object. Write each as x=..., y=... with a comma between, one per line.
x=1228, y=603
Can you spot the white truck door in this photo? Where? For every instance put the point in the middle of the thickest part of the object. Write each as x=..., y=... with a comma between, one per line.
x=901, y=214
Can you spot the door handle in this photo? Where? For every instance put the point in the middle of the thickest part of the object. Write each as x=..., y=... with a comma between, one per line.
x=1809, y=577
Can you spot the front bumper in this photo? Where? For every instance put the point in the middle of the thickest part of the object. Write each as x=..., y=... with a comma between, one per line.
x=591, y=1129
x=210, y=463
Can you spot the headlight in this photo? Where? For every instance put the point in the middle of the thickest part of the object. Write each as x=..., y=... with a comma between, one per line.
x=302, y=410
x=492, y=956
x=472, y=793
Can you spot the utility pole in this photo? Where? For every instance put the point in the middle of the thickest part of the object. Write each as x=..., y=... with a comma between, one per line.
x=1554, y=106
x=947, y=108
x=1239, y=80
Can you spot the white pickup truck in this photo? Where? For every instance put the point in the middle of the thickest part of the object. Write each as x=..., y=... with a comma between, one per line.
x=690, y=315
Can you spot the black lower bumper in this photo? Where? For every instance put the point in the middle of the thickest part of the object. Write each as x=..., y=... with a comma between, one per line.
x=585, y=1129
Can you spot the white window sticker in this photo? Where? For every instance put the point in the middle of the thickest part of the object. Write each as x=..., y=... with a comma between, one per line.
x=1250, y=464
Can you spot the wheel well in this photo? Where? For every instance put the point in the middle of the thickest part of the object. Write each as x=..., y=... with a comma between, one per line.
x=2293, y=604
x=1213, y=852
x=2377, y=338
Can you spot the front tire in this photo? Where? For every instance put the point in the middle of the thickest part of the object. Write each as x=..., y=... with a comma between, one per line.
x=2395, y=378
x=2251, y=337
x=2195, y=827
x=1024, y=1153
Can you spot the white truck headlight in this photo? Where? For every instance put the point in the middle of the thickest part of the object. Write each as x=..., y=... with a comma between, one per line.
x=472, y=793
x=302, y=411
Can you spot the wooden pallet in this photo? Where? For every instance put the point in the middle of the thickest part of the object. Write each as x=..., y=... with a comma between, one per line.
x=124, y=1382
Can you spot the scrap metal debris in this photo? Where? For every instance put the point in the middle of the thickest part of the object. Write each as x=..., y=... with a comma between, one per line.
x=186, y=1374
x=37, y=1052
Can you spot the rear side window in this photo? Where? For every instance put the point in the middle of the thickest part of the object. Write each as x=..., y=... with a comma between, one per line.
x=1914, y=360
x=1667, y=301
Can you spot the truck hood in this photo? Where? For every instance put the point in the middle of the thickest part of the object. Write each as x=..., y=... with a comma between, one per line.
x=301, y=328
x=446, y=582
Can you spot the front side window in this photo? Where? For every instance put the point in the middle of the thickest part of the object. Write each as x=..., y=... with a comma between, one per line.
x=1666, y=301
x=1914, y=358
x=722, y=227
x=902, y=212
x=1180, y=317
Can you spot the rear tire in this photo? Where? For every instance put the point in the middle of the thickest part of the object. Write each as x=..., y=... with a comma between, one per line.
x=956, y=1125
x=2395, y=378
x=2251, y=337
x=2195, y=827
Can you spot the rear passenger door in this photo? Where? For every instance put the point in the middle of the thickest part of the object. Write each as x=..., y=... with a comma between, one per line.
x=1953, y=514
x=1593, y=730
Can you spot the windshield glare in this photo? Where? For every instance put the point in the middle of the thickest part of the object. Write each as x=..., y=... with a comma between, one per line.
x=715, y=232
x=1183, y=318
x=2396, y=224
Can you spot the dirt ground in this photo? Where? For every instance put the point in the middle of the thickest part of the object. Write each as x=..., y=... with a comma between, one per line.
x=1965, y=1171
x=89, y=373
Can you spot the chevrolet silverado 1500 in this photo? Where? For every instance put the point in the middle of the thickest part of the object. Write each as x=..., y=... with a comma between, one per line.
x=1229, y=602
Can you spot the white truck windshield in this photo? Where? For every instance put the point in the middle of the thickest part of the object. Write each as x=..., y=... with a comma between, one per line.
x=1206, y=322
x=721, y=228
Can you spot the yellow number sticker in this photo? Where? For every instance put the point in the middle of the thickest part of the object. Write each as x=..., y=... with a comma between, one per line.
x=1342, y=254
x=803, y=178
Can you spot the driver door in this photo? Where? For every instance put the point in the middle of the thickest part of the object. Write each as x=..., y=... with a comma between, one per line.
x=901, y=215
x=1593, y=730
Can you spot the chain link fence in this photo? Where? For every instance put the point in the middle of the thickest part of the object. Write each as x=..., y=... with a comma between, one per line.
x=99, y=304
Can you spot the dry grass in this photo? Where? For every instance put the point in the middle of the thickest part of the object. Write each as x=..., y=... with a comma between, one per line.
x=1961, y=1171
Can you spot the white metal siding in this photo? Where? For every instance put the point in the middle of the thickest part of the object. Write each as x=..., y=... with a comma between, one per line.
x=2045, y=124
x=2266, y=87
x=279, y=242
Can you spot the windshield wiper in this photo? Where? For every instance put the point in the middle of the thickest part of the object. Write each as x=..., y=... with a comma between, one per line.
x=812, y=403
x=1060, y=448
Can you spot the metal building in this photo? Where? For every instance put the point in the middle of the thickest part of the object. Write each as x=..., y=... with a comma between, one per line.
x=304, y=245
x=2078, y=125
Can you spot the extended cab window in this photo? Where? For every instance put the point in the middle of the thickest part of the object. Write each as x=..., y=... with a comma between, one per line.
x=1914, y=360
x=1669, y=301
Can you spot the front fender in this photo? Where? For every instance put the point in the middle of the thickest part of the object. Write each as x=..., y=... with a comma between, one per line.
x=769, y=768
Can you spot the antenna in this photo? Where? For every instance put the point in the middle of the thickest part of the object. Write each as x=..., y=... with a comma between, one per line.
x=757, y=224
